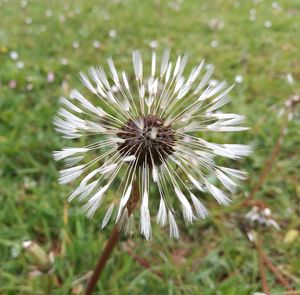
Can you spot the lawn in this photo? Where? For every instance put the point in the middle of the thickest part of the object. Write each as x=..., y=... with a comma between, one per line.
x=43, y=47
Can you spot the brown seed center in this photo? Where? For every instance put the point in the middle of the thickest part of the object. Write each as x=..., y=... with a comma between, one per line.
x=148, y=139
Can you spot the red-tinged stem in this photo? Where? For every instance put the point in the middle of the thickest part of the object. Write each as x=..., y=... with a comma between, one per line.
x=111, y=243
x=261, y=265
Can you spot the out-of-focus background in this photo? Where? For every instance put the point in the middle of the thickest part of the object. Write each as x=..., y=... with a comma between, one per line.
x=43, y=47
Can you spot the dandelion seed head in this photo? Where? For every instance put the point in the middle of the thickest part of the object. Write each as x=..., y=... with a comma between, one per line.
x=146, y=130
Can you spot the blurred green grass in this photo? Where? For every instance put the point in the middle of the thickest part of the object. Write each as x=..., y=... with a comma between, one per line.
x=212, y=256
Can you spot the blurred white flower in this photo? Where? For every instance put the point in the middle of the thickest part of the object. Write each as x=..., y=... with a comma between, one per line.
x=29, y=86
x=62, y=18
x=216, y=24
x=49, y=13
x=147, y=131
x=112, y=33
x=276, y=6
x=214, y=43
x=96, y=44
x=50, y=77
x=12, y=84
x=28, y=20
x=239, y=79
x=20, y=65
x=77, y=10
x=64, y=61
x=290, y=78
x=153, y=44
x=268, y=24
x=14, y=55
x=23, y=3
x=75, y=44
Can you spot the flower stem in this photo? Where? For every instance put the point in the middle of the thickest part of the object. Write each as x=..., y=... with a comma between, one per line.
x=261, y=265
x=111, y=243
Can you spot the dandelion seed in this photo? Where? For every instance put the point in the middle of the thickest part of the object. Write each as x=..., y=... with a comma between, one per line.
x=146, y=130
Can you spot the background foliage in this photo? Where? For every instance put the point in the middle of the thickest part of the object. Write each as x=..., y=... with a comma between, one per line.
x=44, y=45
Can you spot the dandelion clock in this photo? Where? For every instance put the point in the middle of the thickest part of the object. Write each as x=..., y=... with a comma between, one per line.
x=145, y=141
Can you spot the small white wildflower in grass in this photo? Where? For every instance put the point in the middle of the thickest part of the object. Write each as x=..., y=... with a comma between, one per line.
x=105, y=15
x=29, y=86
x=149, y=131
x=20, y=65
x=153, y=44
x=64, y=61
x=112, y=33
x=236, y=4
x=215, y=24
x=12, y=84
x=290, y=78
x=239, y=79
x=75, y=44
x=96, y=44
x=268, y=24
x=49, y=13
x=23, y=3
x=252, y=11
x=214, y=43
x=77, y=10
x=28, y=20
x=14, y=55
x=50, y=77
x=276, y=6
x=62, y=18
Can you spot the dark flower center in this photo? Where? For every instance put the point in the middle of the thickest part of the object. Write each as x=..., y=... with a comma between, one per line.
x=148, y=139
